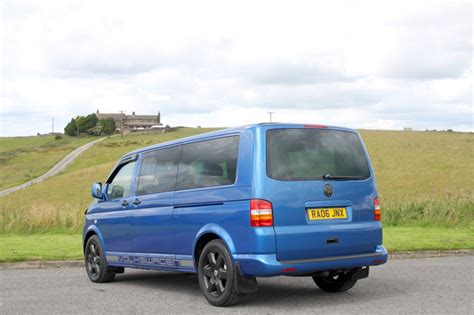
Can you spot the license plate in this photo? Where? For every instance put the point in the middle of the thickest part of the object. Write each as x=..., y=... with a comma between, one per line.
x=327, y=213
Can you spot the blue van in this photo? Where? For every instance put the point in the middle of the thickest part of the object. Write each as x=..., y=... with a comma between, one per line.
x=233, y=205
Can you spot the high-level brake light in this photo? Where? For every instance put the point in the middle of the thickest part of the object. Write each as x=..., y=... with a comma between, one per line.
x=315, y=126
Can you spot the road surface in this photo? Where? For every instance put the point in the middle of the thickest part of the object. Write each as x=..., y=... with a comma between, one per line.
x=407, y=286
x=61, y=165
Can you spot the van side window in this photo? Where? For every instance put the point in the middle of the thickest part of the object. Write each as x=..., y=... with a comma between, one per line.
x=158, y=171
x=208, y=163
x=120, y=185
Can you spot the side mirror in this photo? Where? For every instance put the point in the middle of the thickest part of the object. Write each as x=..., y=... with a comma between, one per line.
x=97, y=190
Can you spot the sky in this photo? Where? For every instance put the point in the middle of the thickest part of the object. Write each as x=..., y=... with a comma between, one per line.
x=359, y=64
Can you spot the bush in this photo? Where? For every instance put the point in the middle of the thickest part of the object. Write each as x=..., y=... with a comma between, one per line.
x=58, y=137
x=170, y=129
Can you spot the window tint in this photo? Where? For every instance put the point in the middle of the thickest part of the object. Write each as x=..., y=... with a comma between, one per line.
x=208, y=163
x=119, y=187
x=308, y=154
x=158, y=171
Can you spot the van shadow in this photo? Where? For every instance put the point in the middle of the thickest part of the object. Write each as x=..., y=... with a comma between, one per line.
x=284, y=292
x=183, y=283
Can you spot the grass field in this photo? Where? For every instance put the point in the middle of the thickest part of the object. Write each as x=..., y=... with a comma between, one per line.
x=424, y=178
x=20, y=247
x=58, y=203
x=425, y=181
x=25, y=158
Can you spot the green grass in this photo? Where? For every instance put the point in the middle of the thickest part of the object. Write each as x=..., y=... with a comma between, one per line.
x=424, y=178
x=21, y=247
x=25, y=158
x=40, y=247
x=422, y=165
x=427, y=238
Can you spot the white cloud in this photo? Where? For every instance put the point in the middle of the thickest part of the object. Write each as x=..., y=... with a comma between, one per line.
x=365, y=65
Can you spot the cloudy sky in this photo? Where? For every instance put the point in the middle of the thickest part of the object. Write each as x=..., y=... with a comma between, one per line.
x=377, y=65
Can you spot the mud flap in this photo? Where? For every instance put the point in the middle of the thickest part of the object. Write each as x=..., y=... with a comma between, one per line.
x=245, y=284
x=116, y=269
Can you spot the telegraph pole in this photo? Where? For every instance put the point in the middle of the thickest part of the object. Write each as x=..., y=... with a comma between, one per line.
x=52, y=126
x=271, y=113
x=121, y=123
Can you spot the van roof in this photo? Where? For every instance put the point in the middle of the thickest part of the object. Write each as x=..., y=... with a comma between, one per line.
x=233, y=130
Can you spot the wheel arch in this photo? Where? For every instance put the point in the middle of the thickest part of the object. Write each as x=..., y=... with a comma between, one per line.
x=208, y=233
x=93, y=230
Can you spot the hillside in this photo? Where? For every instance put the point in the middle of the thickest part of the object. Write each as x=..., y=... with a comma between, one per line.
x=424, y=178
x=25, y=158
x=59, y=202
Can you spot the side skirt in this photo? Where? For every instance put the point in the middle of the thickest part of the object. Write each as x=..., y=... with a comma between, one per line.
x=182, y=263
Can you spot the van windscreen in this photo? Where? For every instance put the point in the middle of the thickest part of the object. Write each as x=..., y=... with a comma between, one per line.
x=312, y=154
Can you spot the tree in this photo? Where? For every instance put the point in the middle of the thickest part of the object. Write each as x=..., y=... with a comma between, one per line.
x=88, y=123
x=91, y=125
x=96, y=130
x=108, y=126
x=80, y=123
x=71, y=128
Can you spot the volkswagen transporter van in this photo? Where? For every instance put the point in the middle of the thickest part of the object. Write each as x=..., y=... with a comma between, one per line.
x=234, y=205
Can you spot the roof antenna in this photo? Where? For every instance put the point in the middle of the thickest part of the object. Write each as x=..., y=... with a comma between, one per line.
x=271, y=113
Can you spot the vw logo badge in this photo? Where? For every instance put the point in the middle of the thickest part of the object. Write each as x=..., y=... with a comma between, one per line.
x=328, y=190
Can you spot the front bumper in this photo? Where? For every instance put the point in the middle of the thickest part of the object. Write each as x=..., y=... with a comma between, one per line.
x=266, y=265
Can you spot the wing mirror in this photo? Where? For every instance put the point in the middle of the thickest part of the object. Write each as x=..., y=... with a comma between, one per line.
x=97, y=190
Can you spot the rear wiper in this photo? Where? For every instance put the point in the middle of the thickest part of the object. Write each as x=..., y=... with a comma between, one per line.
x=329, y=176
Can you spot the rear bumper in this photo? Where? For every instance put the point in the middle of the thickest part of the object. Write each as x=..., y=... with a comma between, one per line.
x=266, y=265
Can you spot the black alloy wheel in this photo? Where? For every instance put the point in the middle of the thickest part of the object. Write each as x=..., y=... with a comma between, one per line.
x=214, y=273
x=217, y=275
x=93, y=261
x=96, y=264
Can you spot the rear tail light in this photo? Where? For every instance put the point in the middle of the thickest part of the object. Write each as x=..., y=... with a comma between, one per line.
x=377, y=213
x=261, y=213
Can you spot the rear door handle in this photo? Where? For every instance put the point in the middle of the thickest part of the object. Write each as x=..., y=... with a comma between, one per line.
x=125, y=203
x=137, y=202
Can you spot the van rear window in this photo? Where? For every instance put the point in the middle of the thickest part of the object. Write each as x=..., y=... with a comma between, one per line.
x=312, y=154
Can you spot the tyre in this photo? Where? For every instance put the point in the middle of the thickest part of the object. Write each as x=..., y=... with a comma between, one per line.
x=218, y=275
x=96, y=263
x=335, y=283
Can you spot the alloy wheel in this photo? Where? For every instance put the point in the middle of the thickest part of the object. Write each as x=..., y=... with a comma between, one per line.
x=93, y=260
x=214, y=273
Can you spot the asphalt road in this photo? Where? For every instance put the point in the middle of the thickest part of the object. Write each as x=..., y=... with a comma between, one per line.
x=406, y=286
